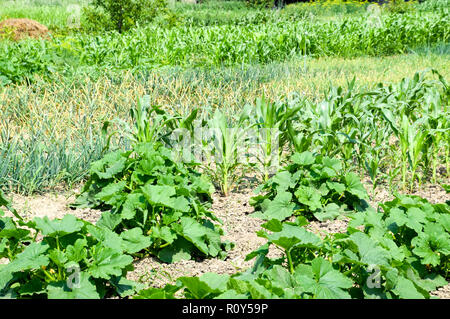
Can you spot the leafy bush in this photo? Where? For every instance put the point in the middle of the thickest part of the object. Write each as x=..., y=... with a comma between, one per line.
x=313, y=186
x=21, y=60
x=369, y=263
x=261, y=3
x=121, y=15
x=399, y=6
x=74, y=259
x=167, y=200
x=415, y=223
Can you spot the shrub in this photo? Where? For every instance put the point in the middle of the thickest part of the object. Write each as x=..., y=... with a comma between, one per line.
x=74, y=259
x=168, y=201
x=261, y=3
x=312, y=186
x=399, y=6
x=121, y=15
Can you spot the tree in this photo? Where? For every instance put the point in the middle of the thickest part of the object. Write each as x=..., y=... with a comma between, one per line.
x=122, y=15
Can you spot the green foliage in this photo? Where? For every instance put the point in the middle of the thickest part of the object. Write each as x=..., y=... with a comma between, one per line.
x=20, y=61
x=424, y=227
x=260, y=3
x=271, y=122
x=167, y=200
x=34, y=161
x=371, y=263
x=74, y=259
x=434, y=5
x=223, y=143
x=314, y=186
x=152, y=124
x=221, y=45
x=121, y=15
x=405, y=124
x=399, y=6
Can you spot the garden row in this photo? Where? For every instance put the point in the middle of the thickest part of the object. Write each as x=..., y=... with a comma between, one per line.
x=156, y=198
x=401, y=251
x=389, y=131
x=153, y=46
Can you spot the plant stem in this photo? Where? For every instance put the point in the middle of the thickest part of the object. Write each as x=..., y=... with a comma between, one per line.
x=289, y=259
x=404, y=173
x=225, y=183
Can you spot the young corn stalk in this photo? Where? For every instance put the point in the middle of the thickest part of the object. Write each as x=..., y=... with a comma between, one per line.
x=417, y=142
x=272, y=121
x=225, y=143
x=437, y=125
x=151, y=123
x=401, y=132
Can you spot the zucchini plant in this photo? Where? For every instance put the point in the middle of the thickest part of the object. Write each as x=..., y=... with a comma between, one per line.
x=169, y=201
x=372, y=261
x=315, y=186
x=74, y=258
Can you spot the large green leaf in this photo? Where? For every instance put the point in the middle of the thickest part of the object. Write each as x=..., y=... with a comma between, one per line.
x=283, y=181
x=329, y=212
x=165, y=195
x=304, y=159
x=108, y=262
x=291, y=236
x=9, y=230
x=180, y=249
x=134, y=241
x=84, y=289
x=112, y=193
x=77, y=252
x=58, y=227
x=110, y=165
x=405, y=289
x=125, y=287
x=354, y=186
x=369, y=252
x=309, y=196
x=32, y=257
x=207, y=286
x=281, y=207
x=134, y=201
x=205, y=239
x=106, y=237
x=430, y=247
x=321, y=280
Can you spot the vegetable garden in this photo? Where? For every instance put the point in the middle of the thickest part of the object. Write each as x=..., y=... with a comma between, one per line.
x=153, y=160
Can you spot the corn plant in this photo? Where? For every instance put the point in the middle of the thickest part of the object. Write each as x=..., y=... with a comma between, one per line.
x=437, y=125
x=152, y=123
x=417, y=142
x=224, y=143
x=271, y=121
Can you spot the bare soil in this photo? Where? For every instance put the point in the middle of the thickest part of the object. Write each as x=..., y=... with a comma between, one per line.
x=240, y=228
x=23, y=28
